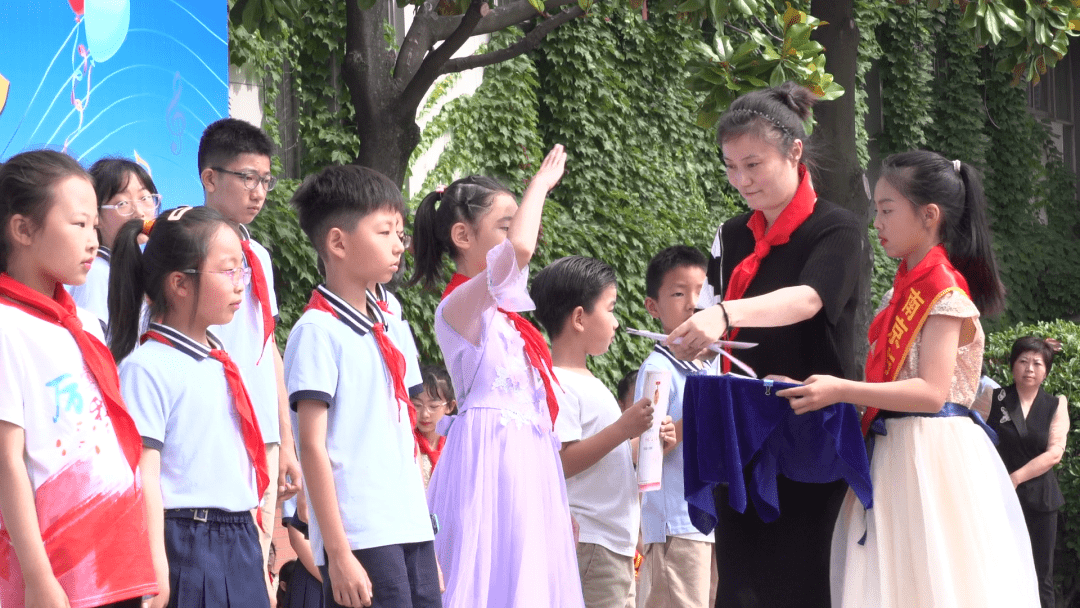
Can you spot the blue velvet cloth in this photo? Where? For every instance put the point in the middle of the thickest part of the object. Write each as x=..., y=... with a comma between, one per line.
x=736, y=428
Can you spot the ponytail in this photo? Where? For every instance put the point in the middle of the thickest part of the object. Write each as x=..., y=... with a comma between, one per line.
x=127, y=288
x=970, y=247
x=925, y=177
x=466, y=200
x=179, y=240
x=428, y=248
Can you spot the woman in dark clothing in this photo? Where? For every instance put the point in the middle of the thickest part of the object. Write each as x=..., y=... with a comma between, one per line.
x=1032, y=426
x=786, y=276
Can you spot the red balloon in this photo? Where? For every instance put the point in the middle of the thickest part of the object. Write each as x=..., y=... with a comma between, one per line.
x=77, y=6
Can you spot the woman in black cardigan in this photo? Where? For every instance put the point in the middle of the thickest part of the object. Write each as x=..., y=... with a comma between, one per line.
x=1032, y=426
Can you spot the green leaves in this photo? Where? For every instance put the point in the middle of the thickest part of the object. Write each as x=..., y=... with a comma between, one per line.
x=1035, y=34
x=765, y=55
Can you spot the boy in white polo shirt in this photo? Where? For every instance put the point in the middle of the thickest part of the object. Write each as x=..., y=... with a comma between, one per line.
x=575, y=302
x=234, y=167
x=679, y=566
x=371, y=534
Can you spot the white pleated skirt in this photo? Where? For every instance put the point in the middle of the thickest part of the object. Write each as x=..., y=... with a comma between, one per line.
x=945, y=531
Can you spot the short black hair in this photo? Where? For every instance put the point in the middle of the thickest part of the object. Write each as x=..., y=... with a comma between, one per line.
x=1035, y=345
x=565, y=284
x=339, y=196
x=228, y=138
x=677, y=256
x=436, y=381
x=111, y=175
x=626, y=385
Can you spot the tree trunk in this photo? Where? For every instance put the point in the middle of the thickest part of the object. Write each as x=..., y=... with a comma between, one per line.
x=387, y=139
x=841, y=179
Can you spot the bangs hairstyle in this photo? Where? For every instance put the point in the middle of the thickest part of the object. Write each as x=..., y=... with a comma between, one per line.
x=228, y=138
x=339, y=196
x=27, y=182
x=776, y=115
x=111, y=175
x=466, y=200
x=677, y=256
x=436, y=382
x=179, y=241
x=1031, y=344
x=565, y=284
x=925, y=178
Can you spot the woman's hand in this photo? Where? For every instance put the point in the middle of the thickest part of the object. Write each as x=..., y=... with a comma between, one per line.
x=816, y=393
x=697, y=333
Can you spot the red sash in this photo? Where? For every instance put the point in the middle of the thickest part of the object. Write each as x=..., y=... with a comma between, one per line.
x=432, y=453
x=793, y=216
x=60, y=310
x=895, y=328
x=392, y=357
x=249, y=427
x=536, y=348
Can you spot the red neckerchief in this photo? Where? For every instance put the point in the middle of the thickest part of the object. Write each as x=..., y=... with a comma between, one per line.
x=392, y=357
x=249, y=427
x=60, y=310
x=260, y=290
x=895, y=328
x=793, y=216
x=536, y=348
x=432, y=453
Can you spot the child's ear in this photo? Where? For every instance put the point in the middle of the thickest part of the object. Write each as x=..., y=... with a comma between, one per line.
x=577, y=319
x=21, y=229
x=209, y=184
x=931, y=214
x=652, y=307
x=177, y=284
x=459, y=236
x=335, y=243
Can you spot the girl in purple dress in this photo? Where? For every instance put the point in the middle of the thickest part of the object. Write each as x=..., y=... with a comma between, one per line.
x=498, y=492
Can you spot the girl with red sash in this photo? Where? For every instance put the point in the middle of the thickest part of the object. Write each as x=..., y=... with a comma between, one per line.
x=203, y=462
x=434, y=402
x=498, y=490
x=73, y=526
x=786, y=275
x=946, y=528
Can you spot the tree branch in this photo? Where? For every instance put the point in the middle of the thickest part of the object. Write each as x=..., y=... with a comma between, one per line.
x=500, y=18
x=429, y=69
x=526, y=44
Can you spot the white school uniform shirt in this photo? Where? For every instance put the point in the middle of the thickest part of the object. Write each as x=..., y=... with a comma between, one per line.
x=182, y=406
x=664, y=512
x=369, y=439
x=603, y=498
x=243, y=340
x=93, y=295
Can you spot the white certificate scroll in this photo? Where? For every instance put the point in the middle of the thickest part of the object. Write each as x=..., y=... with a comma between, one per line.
x=657, y=387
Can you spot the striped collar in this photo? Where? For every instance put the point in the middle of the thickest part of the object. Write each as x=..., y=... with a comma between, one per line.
x=104, y=253
x=686, y=367
x=347, y=313
x=381, y=294
x=245, y=234
x=185, y=344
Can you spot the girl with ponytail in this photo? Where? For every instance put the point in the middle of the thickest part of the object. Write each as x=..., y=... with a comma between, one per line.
x=498, y=490
x=203, y=460
x=933, y=461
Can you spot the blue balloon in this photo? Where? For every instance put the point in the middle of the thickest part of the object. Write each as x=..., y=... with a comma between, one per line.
x=107, y=24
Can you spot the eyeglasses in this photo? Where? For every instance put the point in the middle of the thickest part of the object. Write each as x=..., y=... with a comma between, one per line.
x=239, y=275
x=406, y=240
x=251, y=179
x=150, y=205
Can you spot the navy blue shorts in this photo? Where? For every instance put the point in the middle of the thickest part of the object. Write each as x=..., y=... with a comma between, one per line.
x=215, y=560
x=402, y=576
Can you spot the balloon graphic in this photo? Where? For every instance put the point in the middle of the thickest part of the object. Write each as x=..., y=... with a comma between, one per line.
x=77, y=6
x=107, y=24
x=3, y=92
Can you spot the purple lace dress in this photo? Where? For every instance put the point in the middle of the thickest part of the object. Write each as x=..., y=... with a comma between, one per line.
x=499, y=491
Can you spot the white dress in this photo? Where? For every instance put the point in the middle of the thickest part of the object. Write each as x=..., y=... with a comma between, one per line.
x=946, y=529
